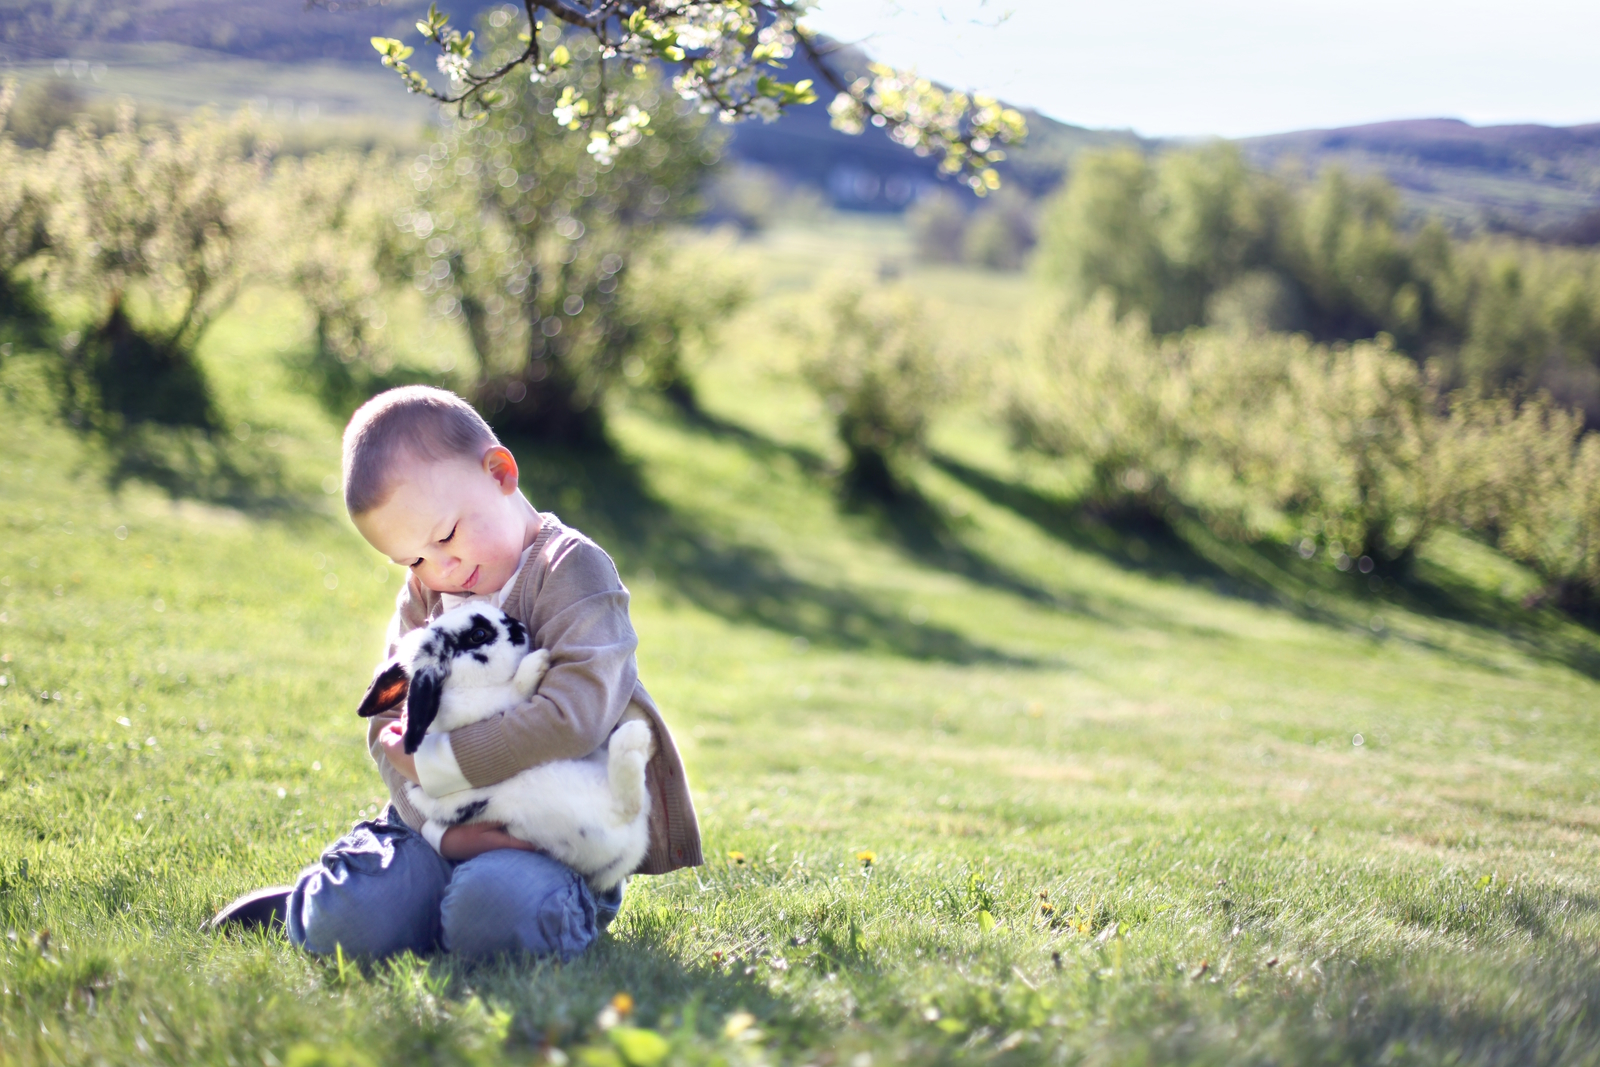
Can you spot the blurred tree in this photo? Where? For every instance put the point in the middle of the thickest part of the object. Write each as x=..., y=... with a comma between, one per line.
x=938, y=224
x=1345, y=250
x=526, y=237
x=746, y=196
x=1257, y=301
x=154, y=229
x=1196, y=237
x=870, y=354
x=673, y=299
x=1100, y=233
x=23, y=208
x=1001, y=233
x=41, y=109
x=336, y=245
x=1331, y=448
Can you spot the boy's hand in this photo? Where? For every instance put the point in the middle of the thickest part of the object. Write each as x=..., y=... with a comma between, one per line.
x=474, y=839
x=393, y=740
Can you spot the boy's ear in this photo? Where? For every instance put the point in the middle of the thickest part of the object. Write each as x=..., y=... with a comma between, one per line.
x=422, y=705
x=387, y=690
x=501, y=465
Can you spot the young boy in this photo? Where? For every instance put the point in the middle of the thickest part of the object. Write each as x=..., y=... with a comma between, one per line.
x=427, y=483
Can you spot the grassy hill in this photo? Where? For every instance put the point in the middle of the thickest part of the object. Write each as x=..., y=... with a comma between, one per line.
x=983, y=777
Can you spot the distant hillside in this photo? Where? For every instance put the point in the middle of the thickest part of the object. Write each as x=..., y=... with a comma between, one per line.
x=870, y=171
x=277, y=30
x=1535, y=179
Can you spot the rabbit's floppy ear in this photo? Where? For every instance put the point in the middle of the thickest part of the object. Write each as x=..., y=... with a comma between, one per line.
x=386, y=691
x=422, y=704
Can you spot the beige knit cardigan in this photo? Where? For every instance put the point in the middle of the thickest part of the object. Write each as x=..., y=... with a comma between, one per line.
x=573, y=602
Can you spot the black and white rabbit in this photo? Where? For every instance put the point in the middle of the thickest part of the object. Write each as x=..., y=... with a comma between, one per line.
x=474, y=661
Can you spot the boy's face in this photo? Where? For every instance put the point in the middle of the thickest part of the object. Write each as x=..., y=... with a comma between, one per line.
x=461, y=526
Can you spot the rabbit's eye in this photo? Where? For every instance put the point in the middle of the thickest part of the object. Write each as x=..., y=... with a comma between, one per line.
x=479, y=636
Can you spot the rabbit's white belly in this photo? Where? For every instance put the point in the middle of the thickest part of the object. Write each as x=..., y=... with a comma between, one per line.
x=566, y=808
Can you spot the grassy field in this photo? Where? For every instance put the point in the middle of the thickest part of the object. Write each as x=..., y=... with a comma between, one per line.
x=981, y=778
x=167, y=75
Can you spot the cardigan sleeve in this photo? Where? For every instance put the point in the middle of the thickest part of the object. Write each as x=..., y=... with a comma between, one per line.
x=579, y=613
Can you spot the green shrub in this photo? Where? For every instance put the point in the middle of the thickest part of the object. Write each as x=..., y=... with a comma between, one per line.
x=1527, y=477
x=1360, y=452
x=676, y=296
x=1266, y=435
x=869, y=353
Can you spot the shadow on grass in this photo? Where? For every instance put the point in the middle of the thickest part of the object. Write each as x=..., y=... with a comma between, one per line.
x=1546, y=1012
x=1274, y=574
x=1135, y=541
x=556, y=1004
x=210, y=468
x=605, y=496
x=758, y=444
x=922, y=530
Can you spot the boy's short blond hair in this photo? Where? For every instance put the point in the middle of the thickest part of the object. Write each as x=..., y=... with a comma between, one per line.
x=413, y=422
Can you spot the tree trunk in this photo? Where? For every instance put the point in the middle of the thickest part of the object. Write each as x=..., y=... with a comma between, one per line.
x=543, y=404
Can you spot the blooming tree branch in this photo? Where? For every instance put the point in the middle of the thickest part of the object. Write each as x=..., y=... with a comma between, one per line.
x=726, y=56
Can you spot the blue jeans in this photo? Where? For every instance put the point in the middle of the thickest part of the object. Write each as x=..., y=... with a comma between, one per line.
x=381, y=889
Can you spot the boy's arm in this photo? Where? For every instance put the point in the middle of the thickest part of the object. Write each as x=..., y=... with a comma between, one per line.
x=581, y=617
x=391, y=776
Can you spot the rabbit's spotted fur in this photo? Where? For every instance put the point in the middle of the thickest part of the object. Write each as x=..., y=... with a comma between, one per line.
x=591, y=814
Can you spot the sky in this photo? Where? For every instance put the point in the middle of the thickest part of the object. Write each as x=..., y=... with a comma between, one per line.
x=1235, y=68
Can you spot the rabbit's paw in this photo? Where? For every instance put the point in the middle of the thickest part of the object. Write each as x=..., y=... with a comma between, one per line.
x=633, y=736
x=531, y=670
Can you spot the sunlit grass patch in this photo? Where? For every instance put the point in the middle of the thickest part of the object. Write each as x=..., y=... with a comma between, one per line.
x=1011, y=793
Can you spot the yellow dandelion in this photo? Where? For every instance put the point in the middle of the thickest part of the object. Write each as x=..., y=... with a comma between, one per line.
x=622, y=1003
x=867, y=857
x=737, y=858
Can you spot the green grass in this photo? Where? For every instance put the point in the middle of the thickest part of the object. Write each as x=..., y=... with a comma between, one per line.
x=1008, y=703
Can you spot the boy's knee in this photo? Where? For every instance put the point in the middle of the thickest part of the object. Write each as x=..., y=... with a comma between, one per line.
x=511, y=901
x=374, y=893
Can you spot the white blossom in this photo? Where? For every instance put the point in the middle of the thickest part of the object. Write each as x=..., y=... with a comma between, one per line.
x=779, y=38
x=696, y=37
x=602, y=148
x=626, y=126
x=454, y=65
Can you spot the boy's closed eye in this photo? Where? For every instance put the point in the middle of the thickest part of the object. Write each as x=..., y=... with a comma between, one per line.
x=445, y=540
